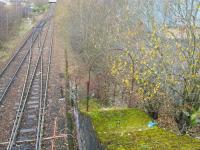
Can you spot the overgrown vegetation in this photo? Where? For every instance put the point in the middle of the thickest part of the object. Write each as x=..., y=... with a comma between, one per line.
x=8, y=46
x=63, y=42
x=40, y=8
x=142, y=53
x=127, y=129
x=94, y=105
x=15, y=21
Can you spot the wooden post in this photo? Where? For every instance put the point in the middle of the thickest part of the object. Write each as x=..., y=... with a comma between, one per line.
x=54, y=134
x=88, y=87
x=88, y=95
x=114, y=92
x=132, y=79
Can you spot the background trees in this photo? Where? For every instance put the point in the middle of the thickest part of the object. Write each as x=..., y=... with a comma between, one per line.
x=149, y=52
x=11, y=17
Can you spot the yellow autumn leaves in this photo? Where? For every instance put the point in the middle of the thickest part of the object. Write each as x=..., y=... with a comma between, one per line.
x=158, y=65
x=119, y=70
x=122, y=69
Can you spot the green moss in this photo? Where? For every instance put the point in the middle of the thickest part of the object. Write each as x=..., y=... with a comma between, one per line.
x=126, y=129
x=94, y=105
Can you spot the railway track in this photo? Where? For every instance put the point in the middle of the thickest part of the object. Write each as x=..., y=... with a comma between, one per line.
x=29, y=121
x=9, y=72
x=45, y=81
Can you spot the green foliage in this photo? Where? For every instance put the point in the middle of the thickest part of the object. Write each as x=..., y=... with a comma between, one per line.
x=1, y=45
x=162, y=59
x=195, y=118
x=7, y=46
x=41, y=8
x=126, y=129
x=94, y=105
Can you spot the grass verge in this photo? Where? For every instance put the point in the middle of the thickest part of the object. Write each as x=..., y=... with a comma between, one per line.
x=8, y=47
x=63, y=42
x=127, y=129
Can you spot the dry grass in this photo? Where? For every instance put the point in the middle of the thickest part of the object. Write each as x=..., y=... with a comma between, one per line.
x=10, y=46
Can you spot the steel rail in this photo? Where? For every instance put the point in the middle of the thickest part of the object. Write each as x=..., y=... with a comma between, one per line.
x=19, y=67
x=40, y=101
x=17, y=116
x=15, y=54
x=15, y=73
x=24, y=99
x=18, y=50
x=43, y=106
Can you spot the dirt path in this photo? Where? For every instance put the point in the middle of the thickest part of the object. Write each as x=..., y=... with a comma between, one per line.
x=65, y=63
x=55, y=123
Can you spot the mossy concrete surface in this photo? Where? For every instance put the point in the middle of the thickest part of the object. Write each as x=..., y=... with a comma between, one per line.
x=127, y=129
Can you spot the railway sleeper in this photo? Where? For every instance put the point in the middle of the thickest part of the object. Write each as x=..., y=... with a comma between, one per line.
x=35, y=97
x=32, y=116
x=33, y=106
x=33, y=110
x=22, y=147
x=34, y=93
x=27, y=130
x=33, y=102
